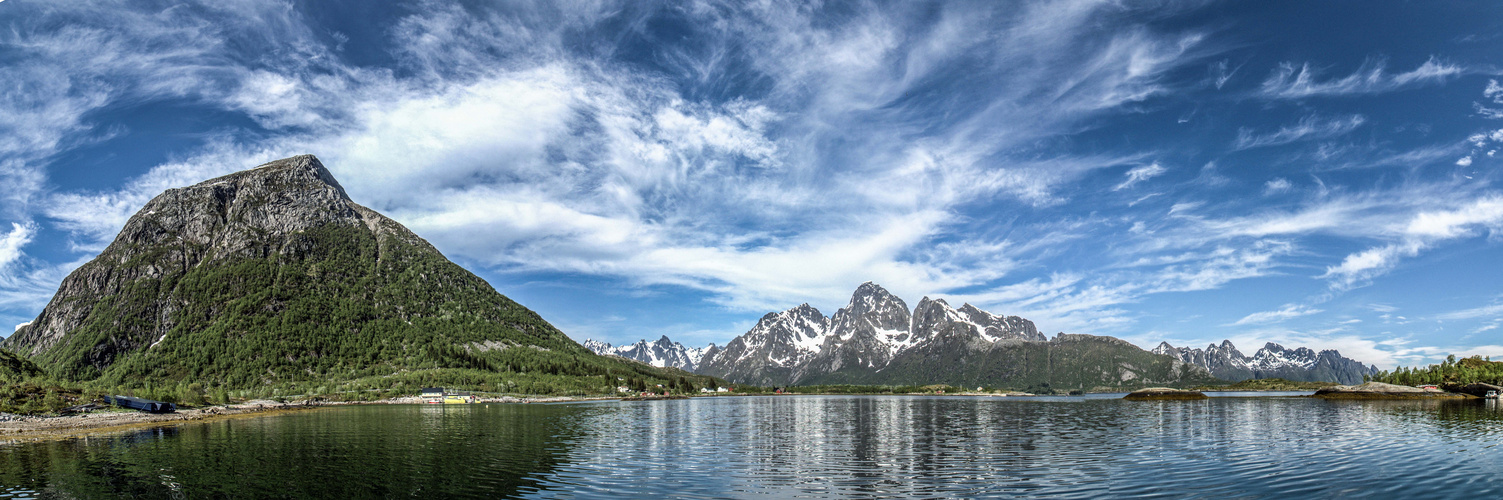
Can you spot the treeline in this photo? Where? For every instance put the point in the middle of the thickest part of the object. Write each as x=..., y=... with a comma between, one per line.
x=1450, y=371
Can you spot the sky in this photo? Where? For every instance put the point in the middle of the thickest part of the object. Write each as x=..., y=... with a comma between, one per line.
x=1321, y=174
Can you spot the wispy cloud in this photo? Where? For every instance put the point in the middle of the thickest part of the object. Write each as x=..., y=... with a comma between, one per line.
x=1493, y=310
x=1140, y=174
x=559, y=161
x=1309, y=127
x=1422, y=231
x=1493, y=92
x=1281, y=314
x=1298, y=82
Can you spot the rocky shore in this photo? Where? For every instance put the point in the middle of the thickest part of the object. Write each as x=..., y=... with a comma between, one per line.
x=31, y=427
x=36, y=427
x=1379, y=390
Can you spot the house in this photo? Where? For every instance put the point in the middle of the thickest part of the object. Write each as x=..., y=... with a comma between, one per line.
x=721, y=389
x=705, y=390
x=432, y=395
x=622, y=388
x=460, y=398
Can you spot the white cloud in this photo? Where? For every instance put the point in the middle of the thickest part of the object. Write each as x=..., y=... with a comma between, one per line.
x=1281, y=314
x=20, y=326
x=1291, y=82
x=1276, y=186
x=1476, y=312
x=508, y=149
x=11, y=243
x=1422, y=231
x=1465, y=161
x=1309, y=127
x=1494, y=92
x=1140, y=174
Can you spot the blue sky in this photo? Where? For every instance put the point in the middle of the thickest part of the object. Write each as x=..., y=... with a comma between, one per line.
x=1320, y=174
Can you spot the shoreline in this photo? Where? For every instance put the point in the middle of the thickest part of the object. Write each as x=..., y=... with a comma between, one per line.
x=26, y=428
x=31, y=428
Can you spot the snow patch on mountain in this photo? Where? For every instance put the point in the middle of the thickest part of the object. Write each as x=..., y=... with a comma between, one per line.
x=660, y=353
x=874, y=328
x=1272, y=361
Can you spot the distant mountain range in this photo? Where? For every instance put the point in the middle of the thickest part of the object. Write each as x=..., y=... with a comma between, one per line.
x=662, y=353
x=1272, y=361
x=875, y=339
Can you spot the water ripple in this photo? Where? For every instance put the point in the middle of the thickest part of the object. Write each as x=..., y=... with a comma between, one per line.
x=799, y=447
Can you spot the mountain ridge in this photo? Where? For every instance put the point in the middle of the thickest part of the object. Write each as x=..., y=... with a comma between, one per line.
x=660, y=353
x=1301, y=364
x=876, y=339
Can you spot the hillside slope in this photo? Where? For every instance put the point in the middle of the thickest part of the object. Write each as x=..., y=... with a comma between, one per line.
x=273, y=277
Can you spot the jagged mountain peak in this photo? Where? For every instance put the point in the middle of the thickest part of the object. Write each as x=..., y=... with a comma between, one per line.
x=663, y=352
x=868, y=333
x=305, y=166
x=871, y=296
x=1272, y=360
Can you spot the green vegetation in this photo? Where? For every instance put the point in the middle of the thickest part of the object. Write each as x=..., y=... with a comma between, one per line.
x=1268, y=384
x=335, y=312
x=15, y=367
x=1451, y=371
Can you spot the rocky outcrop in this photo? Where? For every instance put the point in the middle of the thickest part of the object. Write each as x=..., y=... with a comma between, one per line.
x=1163, y=394
x=1380, y=390
x=1478, y=389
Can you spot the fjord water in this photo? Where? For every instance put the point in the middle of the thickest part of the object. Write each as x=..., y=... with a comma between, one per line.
x=797, y=446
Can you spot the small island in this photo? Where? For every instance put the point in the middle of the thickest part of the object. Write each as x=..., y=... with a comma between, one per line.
x=1163, y=394
x=1380, y=390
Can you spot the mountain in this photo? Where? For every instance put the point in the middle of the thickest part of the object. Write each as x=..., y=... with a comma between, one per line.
x=662, y=353
x=1272, y=361
x=876, y=339
x=274, y=279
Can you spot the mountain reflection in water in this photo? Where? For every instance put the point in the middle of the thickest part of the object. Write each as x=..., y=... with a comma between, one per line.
x=811, y=446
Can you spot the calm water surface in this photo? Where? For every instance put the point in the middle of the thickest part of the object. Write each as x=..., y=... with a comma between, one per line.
x=797, y=446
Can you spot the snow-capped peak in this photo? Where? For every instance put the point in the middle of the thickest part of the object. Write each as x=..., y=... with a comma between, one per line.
x=661, y=353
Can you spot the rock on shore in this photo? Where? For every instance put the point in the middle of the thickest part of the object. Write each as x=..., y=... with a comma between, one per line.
x=1163, y=393
x=1379, y=390
x=1478, y=389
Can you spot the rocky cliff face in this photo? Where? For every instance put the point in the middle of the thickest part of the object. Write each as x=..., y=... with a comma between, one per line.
x=1272, y=361
x=875, y=339
x=265, y=275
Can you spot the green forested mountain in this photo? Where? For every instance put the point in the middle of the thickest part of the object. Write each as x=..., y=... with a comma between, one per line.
x=273, y=280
